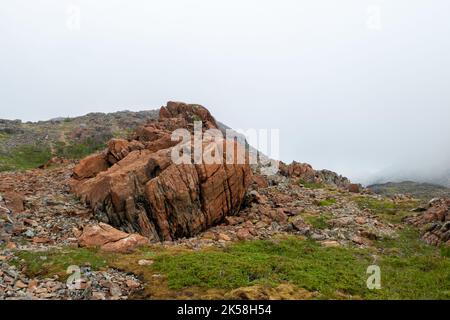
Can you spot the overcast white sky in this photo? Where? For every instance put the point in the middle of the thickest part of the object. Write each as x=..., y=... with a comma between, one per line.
x=357, y=86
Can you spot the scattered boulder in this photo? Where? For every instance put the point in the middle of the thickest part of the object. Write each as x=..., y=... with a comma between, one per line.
x=295, y=169
x=120, y=148
x=300, y=225
x=354, y=188
x=244, y=234
x=330, y=243
x=90, y=166
x=306, y=173
x=107, y=238
x=260, y=181
x=14, y=201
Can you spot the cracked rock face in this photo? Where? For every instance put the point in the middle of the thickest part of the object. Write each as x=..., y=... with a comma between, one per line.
x=134, y=184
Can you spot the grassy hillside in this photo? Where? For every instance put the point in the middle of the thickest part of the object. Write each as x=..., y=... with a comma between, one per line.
x=423, y=191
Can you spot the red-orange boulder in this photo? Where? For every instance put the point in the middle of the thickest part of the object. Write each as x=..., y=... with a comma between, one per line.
x=90, y=166
x=144, y=191
x=13, y=200
x=107, y=238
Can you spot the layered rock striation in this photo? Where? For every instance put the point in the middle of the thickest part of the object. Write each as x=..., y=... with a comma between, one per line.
x=137, y=186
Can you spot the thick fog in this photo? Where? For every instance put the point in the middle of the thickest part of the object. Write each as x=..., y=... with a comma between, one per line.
x=356, y=86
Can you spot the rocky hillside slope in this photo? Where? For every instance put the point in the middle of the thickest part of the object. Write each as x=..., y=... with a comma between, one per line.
x=27, y=145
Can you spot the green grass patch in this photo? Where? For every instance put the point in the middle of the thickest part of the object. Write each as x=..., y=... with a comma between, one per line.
x=311, y=185
x=412, y=269
x=303, y=263
x=77, y=150
x=4, y=136
x=376, y=205
x=318, y=221
x=326, y=202
x=56, y=261
x=406, y=244
x=445, y=251
x=387, y=209
x=123, y=133
x=25, y=157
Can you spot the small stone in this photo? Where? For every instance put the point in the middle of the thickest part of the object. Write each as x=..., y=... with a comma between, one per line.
x=114, y=290
x=330, y=243
x=32, y=285
x=76, y=232
x=30, y=222
x=341, y=222
x=223, y=236
x=29, y=233
x=11, y=245
x=8, y=279
x=260, y=225
x=72, y=240
x=318, y=237
x=97, y=295
x=132, y=284
x=41, y=290
x=85, y=285
x=41, y=240
x=354, y=188
x=243, y=234
x=369, y=235
x=361, y=241
x=360, y=220
x=208, y=235
x=232, y=221
x=144, y=262
x=300, y=225
x=19, y=284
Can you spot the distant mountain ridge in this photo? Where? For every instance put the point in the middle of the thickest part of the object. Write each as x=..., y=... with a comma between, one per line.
x=423, y=191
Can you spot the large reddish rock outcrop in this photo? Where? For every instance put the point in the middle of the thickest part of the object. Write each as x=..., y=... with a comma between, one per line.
x=136, y=186
x=107, y=238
